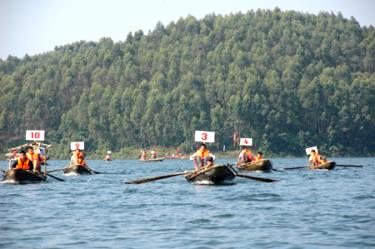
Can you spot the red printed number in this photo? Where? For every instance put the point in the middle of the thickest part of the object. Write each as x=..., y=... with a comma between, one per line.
x=204, y=136
x=35, y=135
x=77, y=145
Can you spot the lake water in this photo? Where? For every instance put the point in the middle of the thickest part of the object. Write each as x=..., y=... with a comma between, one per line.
x=305, y=209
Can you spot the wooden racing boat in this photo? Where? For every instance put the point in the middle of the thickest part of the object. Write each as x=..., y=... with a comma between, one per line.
x=20, y=176
x=78, y=170
x=217, y=174
x=262, y=165
x=327, y=165
x=159, y=159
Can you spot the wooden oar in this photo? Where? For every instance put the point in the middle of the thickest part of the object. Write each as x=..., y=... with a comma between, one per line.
x=155, y=178
x=54, y=170
x=349, y=165
x=257, y=178
x=299, y=167
x=59, y=179
x=261, y=179
x=92, y=171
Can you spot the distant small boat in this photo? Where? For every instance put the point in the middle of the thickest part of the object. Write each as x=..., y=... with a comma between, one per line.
x=78, y=170
x=262, y=165
x=218, y=174
x=327, y=165
x=152, y=159
x=20, y=176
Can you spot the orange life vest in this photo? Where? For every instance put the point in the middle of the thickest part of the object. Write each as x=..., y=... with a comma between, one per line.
x=258, y=158
x=201, y=155
x=246, y=155
x=23, y=164
x=35, y=159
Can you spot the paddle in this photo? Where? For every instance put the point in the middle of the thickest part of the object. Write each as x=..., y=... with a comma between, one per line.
x=59, y=179
x=54, y=170
x=155, y=178
x=261, y=179
x=92, y=171
x=299, y=167
x=349, y=165
x=257, y=178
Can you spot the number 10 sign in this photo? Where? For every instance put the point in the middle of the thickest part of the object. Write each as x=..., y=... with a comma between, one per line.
x=204, y=136
x=35, y=135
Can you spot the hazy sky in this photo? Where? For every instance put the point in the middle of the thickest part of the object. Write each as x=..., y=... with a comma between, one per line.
x=37, y=26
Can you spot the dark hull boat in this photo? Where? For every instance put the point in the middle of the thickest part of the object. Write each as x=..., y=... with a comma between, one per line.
x=77, y=170
x=262, y=165
x=152, y=160
x=20, y=176
x=218, y=174
x=327, y=165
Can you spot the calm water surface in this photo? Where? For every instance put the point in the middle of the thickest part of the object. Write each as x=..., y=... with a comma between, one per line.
x=306, y=209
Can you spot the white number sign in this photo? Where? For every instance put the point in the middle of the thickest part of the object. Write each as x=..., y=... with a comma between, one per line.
x=245, y=141
x=77, y=145
x=35, y=135
x=308, y=150
x=204, y=136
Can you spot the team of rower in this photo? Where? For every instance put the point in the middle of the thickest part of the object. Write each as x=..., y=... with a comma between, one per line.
x=144, y=154
x=78, y=158
x=316, y=159
x=28, y=161
x=202, y=157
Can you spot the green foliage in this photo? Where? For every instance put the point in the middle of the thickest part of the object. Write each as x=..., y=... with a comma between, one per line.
x=289, y=80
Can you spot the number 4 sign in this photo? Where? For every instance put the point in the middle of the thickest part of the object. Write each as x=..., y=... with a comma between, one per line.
x=35, y=135
x=204, y=136
x=245, y=141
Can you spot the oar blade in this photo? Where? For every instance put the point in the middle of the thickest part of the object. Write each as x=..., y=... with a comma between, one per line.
x=154, y=178
x=299, y=167
x=349, y=165
x=59, y=179
x=54, y=170
x=261, y=179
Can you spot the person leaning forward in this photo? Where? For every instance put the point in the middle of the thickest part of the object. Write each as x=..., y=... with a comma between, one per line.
x=35, y=158
x=245, y=155
x=201, y=156
x=314, y=158
x=76, y=154
x=22, y=162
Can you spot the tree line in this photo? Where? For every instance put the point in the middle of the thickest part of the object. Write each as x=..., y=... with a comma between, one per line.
x=287, y=79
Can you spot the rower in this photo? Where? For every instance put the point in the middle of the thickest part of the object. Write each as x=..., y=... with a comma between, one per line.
x=314, y=158
x=143, y=155
x=210, y=162
x=201, y=156
x=258, y=157
x=153, y=154
x=81, y=162
x=35, y=158
x=23, y=162
x=76, y=154
x=245, y=155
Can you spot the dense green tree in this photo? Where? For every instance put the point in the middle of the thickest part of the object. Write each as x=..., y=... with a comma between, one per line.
x=287, y=79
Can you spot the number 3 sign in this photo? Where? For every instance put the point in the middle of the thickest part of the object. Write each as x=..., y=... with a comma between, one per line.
x=204, y=136
x=35, y=135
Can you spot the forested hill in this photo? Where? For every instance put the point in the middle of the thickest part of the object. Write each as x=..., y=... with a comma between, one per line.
x=287, y=79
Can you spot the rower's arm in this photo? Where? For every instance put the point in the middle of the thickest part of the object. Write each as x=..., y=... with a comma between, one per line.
x=14, y=164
